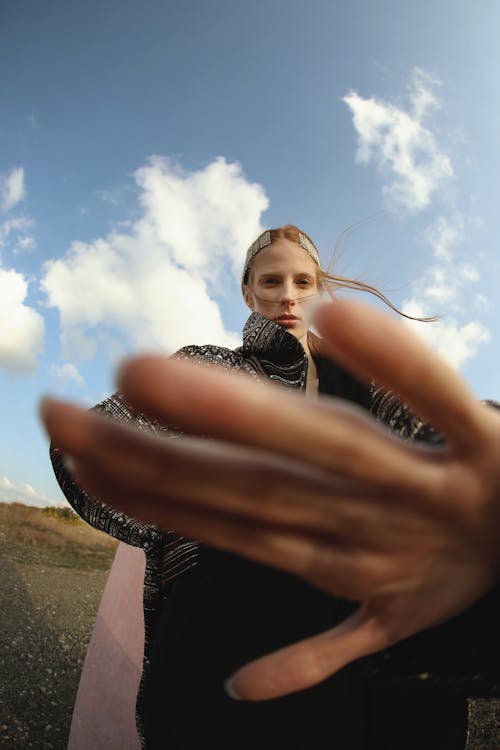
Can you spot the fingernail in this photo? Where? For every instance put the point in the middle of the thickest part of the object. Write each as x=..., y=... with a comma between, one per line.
x=228, y=687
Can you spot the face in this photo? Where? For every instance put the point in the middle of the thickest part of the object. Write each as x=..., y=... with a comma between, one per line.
x=281, y=285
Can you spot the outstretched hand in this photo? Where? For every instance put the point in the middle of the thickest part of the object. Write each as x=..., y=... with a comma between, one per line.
x=317, y=488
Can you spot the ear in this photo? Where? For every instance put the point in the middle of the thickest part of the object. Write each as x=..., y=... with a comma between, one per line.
x=248, y=297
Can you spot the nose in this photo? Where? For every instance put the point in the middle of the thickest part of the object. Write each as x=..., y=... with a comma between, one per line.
x=288, y=294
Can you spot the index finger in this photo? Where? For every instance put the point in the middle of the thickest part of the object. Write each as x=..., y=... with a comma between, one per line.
x=373, y=346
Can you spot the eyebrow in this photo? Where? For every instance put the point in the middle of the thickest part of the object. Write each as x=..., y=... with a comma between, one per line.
x=277, y=273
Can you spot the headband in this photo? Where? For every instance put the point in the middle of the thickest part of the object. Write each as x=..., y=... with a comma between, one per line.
x=264, y=239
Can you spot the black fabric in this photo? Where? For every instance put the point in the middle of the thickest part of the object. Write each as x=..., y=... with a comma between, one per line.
x=222, y=614
x=335, y=381
x=400, y=719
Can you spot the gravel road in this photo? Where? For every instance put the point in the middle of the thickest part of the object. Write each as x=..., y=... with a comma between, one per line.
x=47, y=613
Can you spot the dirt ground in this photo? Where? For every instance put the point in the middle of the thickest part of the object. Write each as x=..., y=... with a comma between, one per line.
x=48, y=603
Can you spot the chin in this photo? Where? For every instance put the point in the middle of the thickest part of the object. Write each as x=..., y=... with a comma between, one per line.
x=297, y=332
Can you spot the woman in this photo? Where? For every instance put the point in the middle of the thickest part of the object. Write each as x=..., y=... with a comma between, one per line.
x=209, y=612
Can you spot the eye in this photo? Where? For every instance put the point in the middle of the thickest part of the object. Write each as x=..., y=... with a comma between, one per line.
x=306, y=282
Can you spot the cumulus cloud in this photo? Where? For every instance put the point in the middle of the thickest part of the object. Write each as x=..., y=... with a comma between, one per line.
x=12, y=189
x=67, y=373
x=24, y=493
x=399, y=141
x=21, y=327
x=446, y=286
x=154, y=282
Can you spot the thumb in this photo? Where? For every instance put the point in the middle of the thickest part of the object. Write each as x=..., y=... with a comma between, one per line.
x=310, y=661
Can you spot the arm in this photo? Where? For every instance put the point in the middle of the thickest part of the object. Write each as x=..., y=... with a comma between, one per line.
x=114, y=522
x=95, y=512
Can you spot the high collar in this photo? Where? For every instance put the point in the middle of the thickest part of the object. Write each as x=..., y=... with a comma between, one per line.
x=284, y=361
x=276, y=351
x=264, y=337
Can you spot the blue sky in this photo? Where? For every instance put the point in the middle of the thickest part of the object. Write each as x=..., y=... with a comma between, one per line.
x=144, y=145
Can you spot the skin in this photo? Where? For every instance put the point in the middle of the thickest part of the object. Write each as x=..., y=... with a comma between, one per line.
x=323, y=492
x=285, y=275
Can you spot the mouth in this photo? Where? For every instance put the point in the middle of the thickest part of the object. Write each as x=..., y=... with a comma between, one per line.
x=287, y=317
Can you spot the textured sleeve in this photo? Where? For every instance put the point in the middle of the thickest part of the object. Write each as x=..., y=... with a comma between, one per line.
x=460, y=657
x=387, y=407
x=97, y=513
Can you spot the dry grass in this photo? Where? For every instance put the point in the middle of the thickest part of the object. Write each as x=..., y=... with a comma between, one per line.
x=54, y=532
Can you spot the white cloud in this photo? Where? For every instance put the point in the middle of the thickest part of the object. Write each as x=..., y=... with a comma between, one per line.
x=16, y=235
x=21, y=327
x=24, y=493
x=205, y=218
x=440, y=289
x=24, y=243
x=481, y=302
x=444, y=288
x=469, y=272
x=443, y=235
x=19, y=225
x=153, y=281
x=456, y=343
x=399, y=140
x=12, y=189
x=403, y=147
x=67, y=373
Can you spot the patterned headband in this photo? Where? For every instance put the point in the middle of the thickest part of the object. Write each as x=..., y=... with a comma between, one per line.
x=264, y=239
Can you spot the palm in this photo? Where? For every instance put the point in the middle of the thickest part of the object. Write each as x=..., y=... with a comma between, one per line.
x=322, y=492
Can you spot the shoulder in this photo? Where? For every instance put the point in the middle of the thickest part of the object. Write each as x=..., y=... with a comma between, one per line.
x=207, y=353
